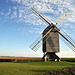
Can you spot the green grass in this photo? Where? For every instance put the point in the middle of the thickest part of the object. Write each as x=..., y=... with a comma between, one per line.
x=31, y=68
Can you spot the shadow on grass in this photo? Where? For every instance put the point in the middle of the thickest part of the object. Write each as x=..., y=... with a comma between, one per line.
x=39, y=71
x=63, y=71
x=28, y=62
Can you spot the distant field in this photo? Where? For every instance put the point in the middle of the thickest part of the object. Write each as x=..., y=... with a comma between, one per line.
x=22, y=59
x=31, y=68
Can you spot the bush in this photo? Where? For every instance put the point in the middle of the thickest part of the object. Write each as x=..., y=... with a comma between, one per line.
x=64, y=71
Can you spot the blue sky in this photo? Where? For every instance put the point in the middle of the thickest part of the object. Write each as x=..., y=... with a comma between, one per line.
x=19, y=26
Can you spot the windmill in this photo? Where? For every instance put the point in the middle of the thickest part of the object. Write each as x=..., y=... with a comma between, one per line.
x=50, y=37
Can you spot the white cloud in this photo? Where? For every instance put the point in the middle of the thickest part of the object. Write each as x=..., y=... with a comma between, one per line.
x=53, y=7
x=22, y=54
x=21, y=12
x=14, y=15
x=16, y=0
x=69, y=54
x=72, y=18
x=61, y=54
x=36, y=30
x=50, y=6
x=9, y=11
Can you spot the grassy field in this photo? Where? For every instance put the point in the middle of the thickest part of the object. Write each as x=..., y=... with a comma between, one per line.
x=31, y=68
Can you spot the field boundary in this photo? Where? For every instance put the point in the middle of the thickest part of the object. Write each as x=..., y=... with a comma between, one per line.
x=22, y=59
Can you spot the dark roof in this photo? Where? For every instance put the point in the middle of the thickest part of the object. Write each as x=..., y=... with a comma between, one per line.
x=48, y=28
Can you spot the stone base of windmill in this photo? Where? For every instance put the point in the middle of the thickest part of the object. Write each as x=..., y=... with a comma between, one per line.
x=51, y=56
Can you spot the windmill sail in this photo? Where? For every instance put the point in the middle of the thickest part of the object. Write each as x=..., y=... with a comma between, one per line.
x=34, y=46
x=63, y=17
x=67, y=40
x=38, y=42
x=41, y=16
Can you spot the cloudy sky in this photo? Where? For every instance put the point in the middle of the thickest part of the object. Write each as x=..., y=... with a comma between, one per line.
x=19, y=26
